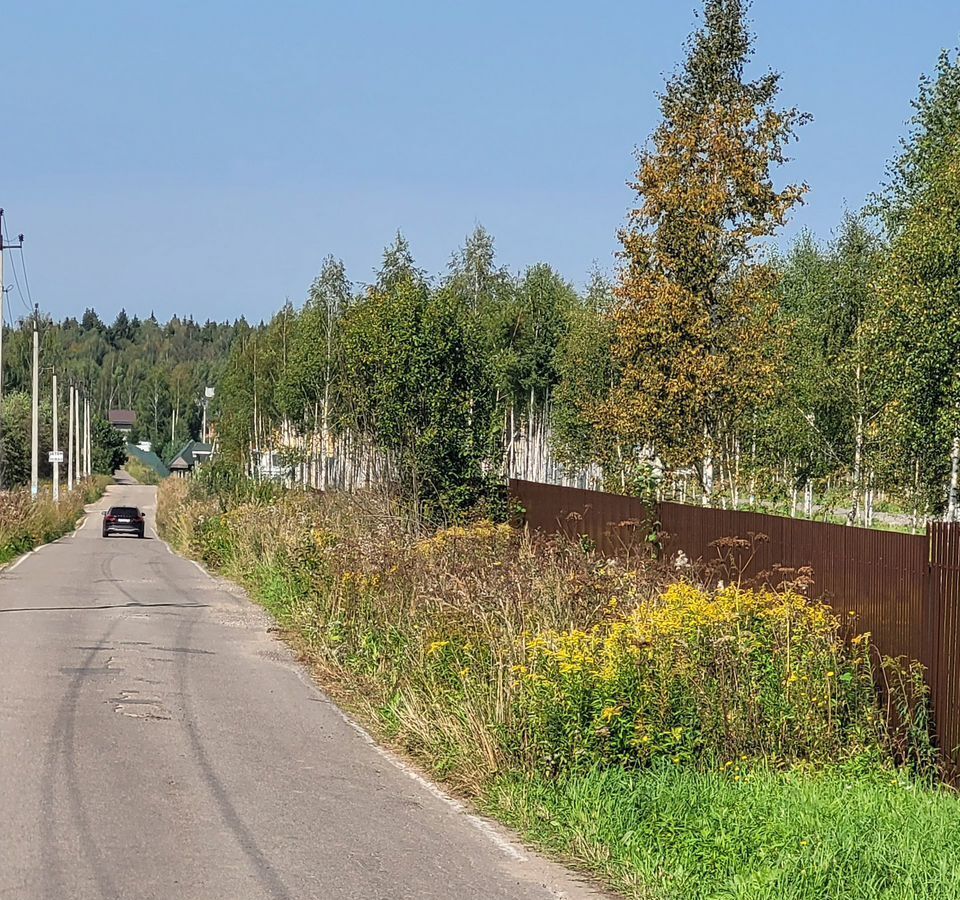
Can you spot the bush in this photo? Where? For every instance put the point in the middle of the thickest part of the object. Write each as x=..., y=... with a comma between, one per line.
x=700, y=677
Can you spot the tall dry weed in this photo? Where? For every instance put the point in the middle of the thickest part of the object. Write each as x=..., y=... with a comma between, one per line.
x=479, y=648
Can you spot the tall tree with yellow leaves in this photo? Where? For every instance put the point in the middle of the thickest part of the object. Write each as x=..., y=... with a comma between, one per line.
x=695, y=337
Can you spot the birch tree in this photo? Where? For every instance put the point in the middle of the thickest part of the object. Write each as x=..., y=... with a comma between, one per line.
x=694, y=324
x=921, y=287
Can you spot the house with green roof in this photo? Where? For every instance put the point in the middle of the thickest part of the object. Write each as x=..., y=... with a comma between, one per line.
x=193, y=455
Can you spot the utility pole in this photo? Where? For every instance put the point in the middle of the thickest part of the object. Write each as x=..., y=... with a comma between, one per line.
x=2, y=248
x=78, y=431
x=83, y=424
x=56, y=444
x=35, y=417
x=89, y=443
x=82, y=436
x=76, y=438
x=71, y=459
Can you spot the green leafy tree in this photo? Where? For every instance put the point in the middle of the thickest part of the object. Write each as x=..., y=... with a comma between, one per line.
x=827, y=415
x=921, y=284
x=108, y=447
x=312, y=383
x=15, y=439
x=528, y=330
x=587, y=374
x=418, y=388
x=693, y=328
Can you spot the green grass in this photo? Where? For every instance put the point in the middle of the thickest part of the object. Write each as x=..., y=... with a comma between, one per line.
x=675, y=834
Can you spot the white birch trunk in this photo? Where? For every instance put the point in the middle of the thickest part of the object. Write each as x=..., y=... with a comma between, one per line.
x=856, y=492
x=707, y=478
x=954, y=474
x=735, y=493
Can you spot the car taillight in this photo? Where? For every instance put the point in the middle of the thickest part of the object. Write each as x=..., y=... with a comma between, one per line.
x=111, y=518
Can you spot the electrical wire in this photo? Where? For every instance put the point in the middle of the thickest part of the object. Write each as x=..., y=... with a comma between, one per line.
x=13, y=266
x=26, y=279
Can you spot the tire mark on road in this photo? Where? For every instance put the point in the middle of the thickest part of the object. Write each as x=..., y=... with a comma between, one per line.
x=264, y=870
x=62, y=754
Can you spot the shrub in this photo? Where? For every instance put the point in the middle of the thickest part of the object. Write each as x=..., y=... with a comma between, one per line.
x=700, y=677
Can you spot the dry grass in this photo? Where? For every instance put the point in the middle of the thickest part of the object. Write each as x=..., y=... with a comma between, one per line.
x=26, y=523
x=478, y=649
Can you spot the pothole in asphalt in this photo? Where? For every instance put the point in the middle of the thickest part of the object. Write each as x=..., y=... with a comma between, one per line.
x=135, y=706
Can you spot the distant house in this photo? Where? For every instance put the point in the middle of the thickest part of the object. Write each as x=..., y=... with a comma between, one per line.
x=192, y=455
x=122, y=419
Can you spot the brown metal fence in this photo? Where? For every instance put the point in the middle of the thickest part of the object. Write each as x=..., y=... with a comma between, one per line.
x=612, y=522
x=943, y=639
x=904, y=589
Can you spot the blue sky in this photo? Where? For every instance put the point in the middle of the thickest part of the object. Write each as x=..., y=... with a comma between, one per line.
x=201, y=158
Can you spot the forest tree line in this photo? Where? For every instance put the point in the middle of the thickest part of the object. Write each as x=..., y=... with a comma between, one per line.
x=708, y=364
x=157, y=370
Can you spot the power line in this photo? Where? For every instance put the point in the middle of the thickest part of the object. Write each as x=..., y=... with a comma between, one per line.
x=13, y=265
x=26, y=280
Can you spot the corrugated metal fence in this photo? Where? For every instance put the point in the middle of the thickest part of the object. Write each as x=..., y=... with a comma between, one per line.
x=903, y=588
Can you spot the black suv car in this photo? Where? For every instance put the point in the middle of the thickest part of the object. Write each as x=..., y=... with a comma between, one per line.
x=123, y=520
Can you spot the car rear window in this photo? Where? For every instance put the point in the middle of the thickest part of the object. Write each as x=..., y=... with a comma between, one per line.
x=126, y=512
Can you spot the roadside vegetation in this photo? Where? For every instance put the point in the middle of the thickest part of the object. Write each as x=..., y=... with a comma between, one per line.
x=676, y=740
x=26, y=523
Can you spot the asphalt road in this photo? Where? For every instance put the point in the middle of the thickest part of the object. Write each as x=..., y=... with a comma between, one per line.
x=157, y=742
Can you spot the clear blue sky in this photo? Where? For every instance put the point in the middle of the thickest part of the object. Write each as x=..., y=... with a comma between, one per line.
x=203, y=157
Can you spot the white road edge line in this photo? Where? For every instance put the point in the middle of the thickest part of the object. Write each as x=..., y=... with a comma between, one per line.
x=484, y=827
x=17, y=562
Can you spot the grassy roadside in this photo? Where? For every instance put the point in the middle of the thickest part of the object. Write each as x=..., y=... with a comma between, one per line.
x=26, y=524
x=676, y=742
x=672, y=834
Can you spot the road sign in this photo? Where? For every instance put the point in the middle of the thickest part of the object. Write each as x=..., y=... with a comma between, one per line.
x=56, y=456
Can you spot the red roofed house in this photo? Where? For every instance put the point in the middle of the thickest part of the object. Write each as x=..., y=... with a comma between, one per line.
x=122, y=419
